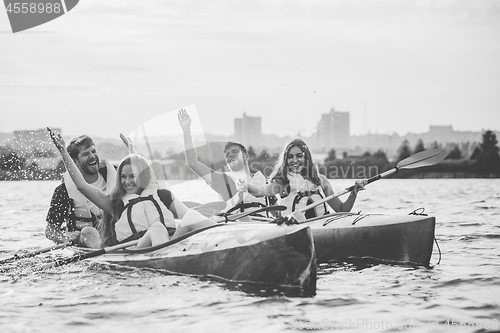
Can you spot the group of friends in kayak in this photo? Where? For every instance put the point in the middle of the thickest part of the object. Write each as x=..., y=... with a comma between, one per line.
x=97, y=205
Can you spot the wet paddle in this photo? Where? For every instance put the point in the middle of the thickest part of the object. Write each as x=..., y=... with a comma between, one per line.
x=216, y=205
x=210, y=208
x=34, y=253
x=90, y=254
x=191, y=204
x=421, y=159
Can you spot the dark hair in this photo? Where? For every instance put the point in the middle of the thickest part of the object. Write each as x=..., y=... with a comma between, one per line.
x=81, y=141
x=232, y=143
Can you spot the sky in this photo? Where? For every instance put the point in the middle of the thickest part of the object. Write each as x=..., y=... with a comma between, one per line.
x=106, y=67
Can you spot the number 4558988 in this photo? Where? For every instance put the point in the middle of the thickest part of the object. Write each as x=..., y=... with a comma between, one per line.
x=25, y=7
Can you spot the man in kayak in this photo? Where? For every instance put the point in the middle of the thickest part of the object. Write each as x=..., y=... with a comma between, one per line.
x=228, y=184
x=137, y=208
x=71, y=216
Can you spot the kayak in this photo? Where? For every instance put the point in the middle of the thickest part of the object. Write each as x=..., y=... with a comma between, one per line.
x=379, y=238
x=392, y=239
x=246, y=256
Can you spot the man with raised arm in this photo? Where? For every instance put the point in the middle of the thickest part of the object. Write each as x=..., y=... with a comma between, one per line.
x=72, y=217
x=228, y=184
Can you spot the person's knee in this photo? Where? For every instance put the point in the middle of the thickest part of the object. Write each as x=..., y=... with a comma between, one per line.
x=158, y=233
x=89, y=237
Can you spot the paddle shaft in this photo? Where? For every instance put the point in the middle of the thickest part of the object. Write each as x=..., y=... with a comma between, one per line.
x=34, y=253
x=234, y=217
x=420, y=159
x=345, y=191
x=91, y=254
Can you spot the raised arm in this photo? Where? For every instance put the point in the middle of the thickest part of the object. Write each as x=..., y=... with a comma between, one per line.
x=190, y=152
x=132, y=148
x=92, y=193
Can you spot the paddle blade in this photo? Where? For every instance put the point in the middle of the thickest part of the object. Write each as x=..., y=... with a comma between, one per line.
x=211, y=206
x=191, y=204
x=424, y=158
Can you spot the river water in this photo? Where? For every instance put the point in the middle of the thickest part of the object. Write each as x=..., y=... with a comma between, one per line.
x=460, y=294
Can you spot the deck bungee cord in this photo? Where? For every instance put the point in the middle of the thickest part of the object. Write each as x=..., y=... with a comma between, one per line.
x=421, y=212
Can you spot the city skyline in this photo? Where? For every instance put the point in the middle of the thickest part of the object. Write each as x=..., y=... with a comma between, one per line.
x=397, y=67
x=151, y=136
x=155, y=130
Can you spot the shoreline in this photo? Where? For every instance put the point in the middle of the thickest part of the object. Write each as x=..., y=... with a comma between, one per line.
x=420, y=175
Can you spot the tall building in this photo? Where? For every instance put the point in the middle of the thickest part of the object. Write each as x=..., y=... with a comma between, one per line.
x=248, y=130
x=334, y=130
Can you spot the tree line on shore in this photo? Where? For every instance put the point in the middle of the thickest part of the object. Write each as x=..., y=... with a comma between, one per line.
x=483, y=162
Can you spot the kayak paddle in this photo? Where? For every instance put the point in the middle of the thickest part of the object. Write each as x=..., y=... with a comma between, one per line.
x=34, y=253
x=191, y=204
x=421, y=159
x=216, y=205
x=234, y=217
x=210, y=208
x=90, y=254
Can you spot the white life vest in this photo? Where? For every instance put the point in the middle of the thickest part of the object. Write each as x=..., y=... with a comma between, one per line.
x=83, y=207
x=302, y=193
x=140, y=212
x=239, y=178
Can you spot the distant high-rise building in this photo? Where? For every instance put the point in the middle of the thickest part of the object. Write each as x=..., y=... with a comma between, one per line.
x=248, y=130
x=334, y=130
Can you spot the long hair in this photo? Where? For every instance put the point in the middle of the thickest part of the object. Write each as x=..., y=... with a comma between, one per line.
x=280, y=170
x=142, y=171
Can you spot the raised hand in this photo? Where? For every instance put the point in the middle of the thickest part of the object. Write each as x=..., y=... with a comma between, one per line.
x=57, y=139
x=132, y=148
x=184, y=118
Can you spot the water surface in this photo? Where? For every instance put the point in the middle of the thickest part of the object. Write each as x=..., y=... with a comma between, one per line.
x=460, y=294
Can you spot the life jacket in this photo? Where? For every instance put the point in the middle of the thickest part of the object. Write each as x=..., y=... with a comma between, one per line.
x=83, y=211
x=302, y=192
x=139, y=212
x=243, y=199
